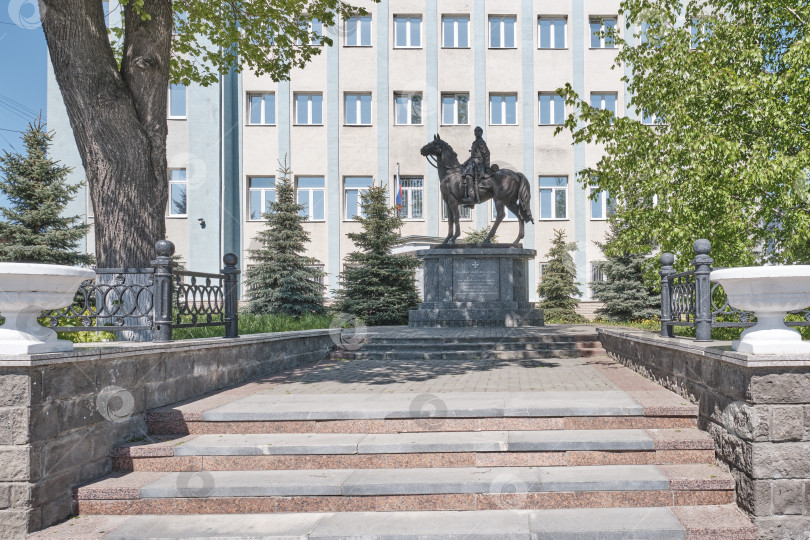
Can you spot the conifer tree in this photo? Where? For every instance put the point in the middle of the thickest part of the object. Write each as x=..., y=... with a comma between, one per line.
x=32, y=228
x=624, y=293
x=378, y=287
x=284, y=280
x=559, y=288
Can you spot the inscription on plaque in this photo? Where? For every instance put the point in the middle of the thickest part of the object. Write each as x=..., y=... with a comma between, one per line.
x=476, y=280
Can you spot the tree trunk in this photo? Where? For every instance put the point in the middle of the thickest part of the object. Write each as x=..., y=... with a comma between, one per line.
x=118, y=117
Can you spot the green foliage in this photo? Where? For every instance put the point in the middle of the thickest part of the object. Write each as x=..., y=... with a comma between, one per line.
x=729, y=157
x=250, y=323
x=559, y=288
x=624, y=293
x=33, y=228
x=265, y=38
x=378, y=287
x=284, y=281
x=476, y=236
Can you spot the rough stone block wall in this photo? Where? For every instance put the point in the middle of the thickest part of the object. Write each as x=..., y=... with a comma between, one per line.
x=759, y=418
x=61, y=414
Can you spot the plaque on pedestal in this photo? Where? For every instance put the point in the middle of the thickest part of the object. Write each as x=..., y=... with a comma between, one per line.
x=476, y=286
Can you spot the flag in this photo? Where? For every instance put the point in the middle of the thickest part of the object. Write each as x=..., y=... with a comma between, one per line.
x=399, y=190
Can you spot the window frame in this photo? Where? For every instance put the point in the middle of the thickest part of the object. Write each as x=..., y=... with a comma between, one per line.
x=409, y=95
x=249, y=190
x=604, y=101
x=606, y=205
x=502, y=45
x=358, y=109
x=462, y=210
x=563, y=18
x=309, y=21
x=602, y=19
x=310, y=204
x=309, y=108
x=263, y=112
x=359, y=19
x=359, y=197
x=169, y=210
x=503, y=95
x=553, y=190
x=169, y=115
x=455, y=107
x=322, y=268
x=408, y=33
x=456, y=19
x=597, y=271
x=406, y=199
x=552, y=109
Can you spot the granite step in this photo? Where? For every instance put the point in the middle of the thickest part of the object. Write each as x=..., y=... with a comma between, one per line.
x=480, y=346
x=438, y=354
x=650, y=523
x=464, y=488
x=508, y=336
x=401, y=450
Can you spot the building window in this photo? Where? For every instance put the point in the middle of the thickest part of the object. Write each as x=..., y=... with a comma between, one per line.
x=597, y=273
x=321, y=275
x=178, y=193
x=509, y=215
x=652, y=120
x=552, y=33
x=553, y=197
x=309, y=109
x=541, y=267
x=456, y=31
x=599, y=26
x=358, y=32
x=177, y=101
x=358, y=109
x=408, y=108
x=353, y=187
x=261, y=192
x=455, y=109
x=407, y=32
x=502, y=32
x=465, y=213
x=552, y=109
x=602, y=205
x=313, y=26
x=503, y=109
x=411, y=197
x=311, y=196
x=262, y=109
x=604, y=102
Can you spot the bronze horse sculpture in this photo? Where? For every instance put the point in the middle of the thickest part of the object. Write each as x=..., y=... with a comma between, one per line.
x=508, y=189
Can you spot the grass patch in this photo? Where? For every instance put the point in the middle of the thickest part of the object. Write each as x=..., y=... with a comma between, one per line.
x=257, y=324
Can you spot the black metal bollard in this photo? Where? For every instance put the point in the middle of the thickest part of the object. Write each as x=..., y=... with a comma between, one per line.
x=231, y=292
x=703, y=290
x=667, y=269
x=162, y=291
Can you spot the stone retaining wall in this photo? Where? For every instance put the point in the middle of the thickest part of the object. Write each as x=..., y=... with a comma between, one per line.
x=60, y=414
x=757, y=409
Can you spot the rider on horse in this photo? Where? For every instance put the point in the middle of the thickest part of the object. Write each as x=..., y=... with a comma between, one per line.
x=475, y=169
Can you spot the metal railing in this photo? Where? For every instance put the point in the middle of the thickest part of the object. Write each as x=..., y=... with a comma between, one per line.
x=154, y=300
x=692, y=299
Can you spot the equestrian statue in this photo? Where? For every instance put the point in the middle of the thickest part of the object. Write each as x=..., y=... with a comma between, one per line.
x=476, y=181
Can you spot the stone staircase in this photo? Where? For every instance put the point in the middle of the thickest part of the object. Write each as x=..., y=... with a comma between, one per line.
x=623, y=463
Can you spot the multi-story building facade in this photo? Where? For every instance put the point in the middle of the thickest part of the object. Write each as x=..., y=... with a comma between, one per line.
x=360, y=112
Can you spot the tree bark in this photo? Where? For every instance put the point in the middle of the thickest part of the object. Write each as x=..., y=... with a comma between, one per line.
x=118, y=117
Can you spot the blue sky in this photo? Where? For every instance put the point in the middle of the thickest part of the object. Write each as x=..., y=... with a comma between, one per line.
x=23, y=65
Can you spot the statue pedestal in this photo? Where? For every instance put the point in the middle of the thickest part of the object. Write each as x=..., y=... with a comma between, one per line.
x=476, y=286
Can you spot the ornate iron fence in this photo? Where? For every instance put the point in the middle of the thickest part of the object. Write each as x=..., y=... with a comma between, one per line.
x=154, y=300
x=691, y=299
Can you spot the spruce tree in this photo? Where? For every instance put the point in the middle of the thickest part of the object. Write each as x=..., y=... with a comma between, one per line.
x=477, y=236
x=378, y=287
x=559, y=288
x=32, y=228
x=284, y=280
x=624, y=293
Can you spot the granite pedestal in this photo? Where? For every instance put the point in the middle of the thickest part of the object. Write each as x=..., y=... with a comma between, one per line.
x=476, y=285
